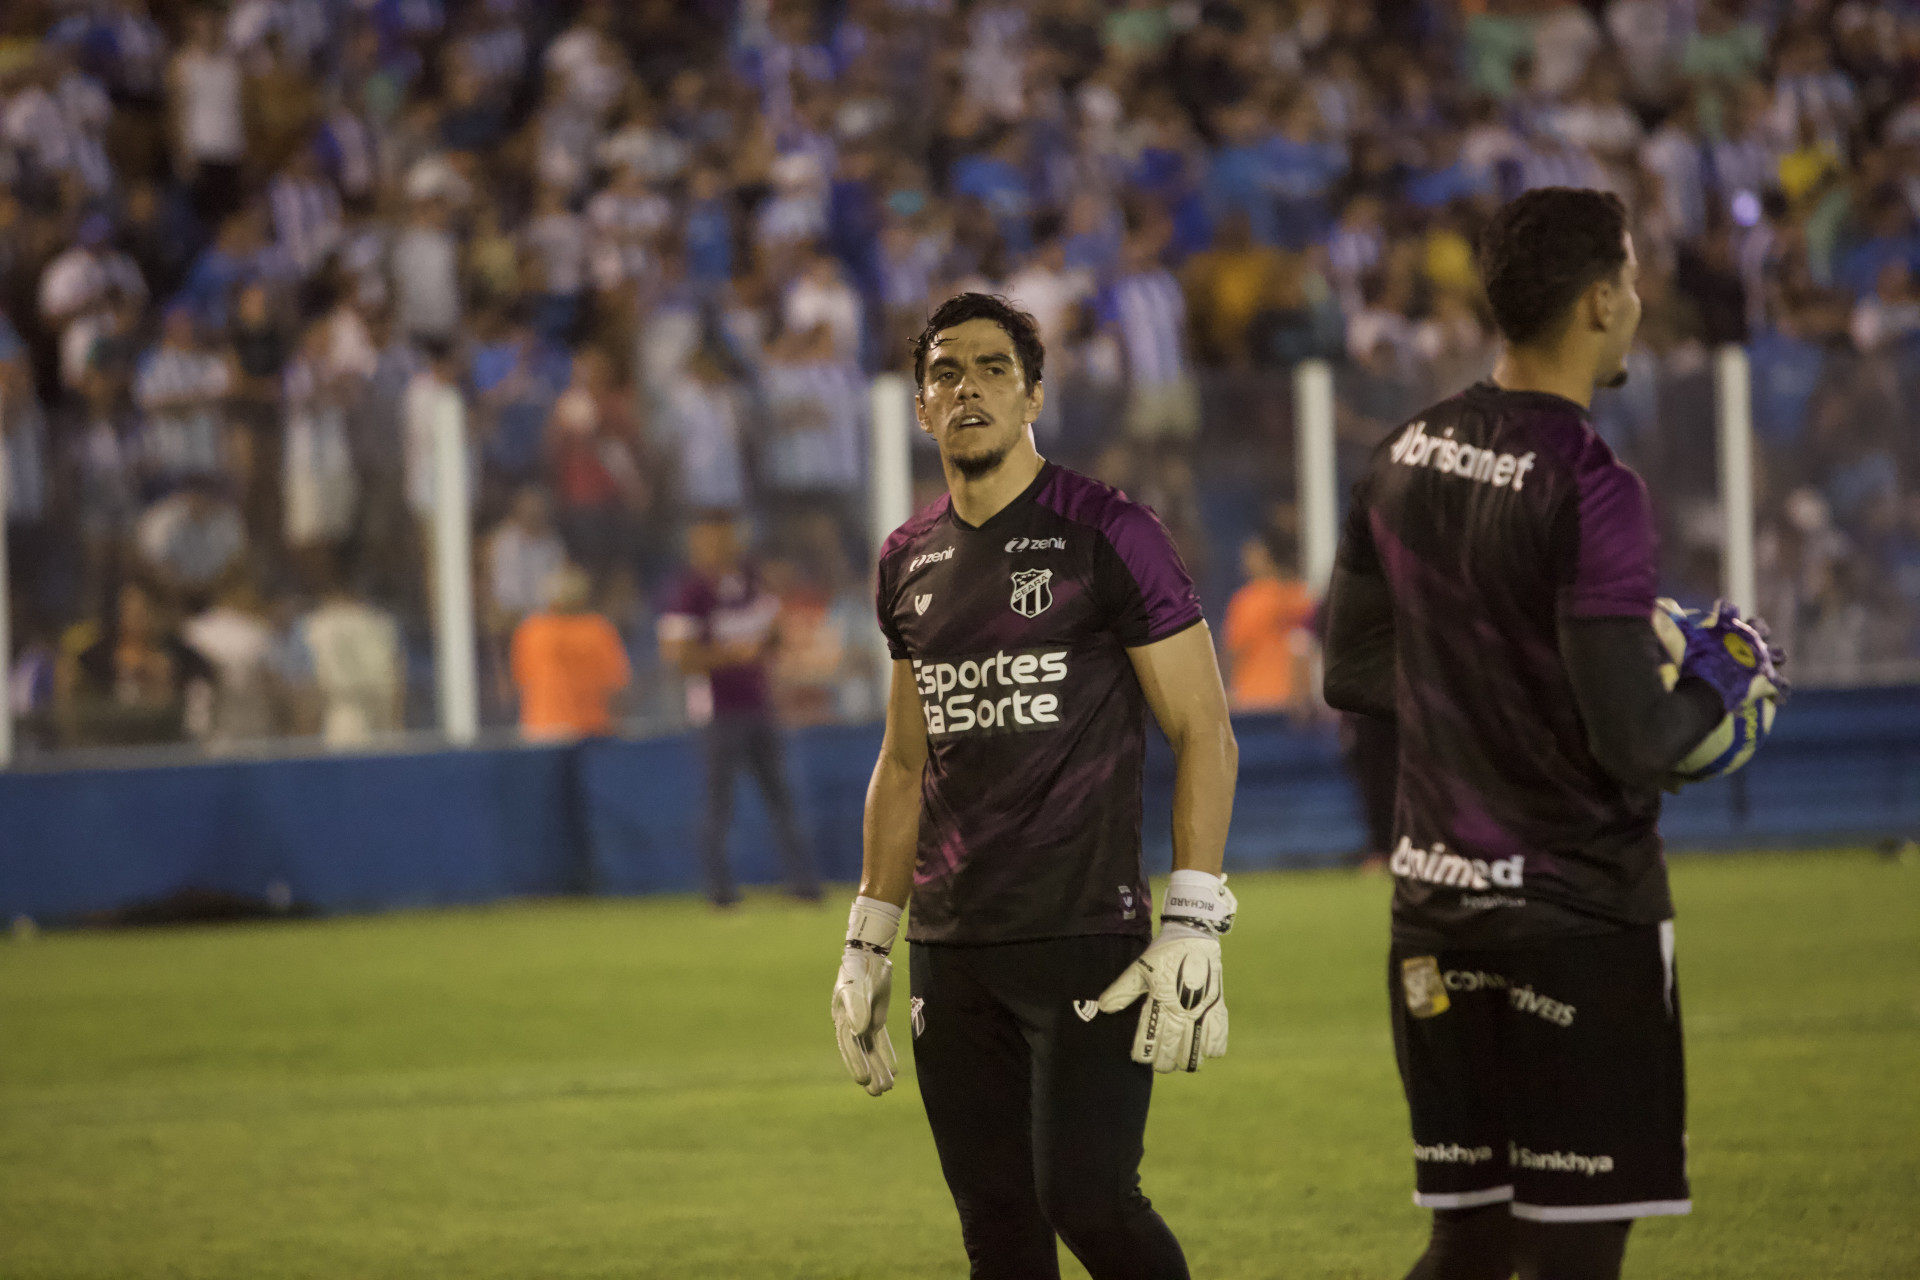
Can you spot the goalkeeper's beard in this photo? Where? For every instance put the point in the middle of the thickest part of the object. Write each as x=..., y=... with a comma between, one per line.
x=980, y=464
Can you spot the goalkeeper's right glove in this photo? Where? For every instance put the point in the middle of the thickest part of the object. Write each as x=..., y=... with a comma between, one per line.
x=1183, y=1020
x=860, y=995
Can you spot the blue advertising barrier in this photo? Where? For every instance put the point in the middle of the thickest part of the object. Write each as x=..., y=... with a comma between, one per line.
x=343, y=834
x=361, y=833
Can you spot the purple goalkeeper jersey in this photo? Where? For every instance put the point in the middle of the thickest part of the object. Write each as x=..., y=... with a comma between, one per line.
x=1492, y=517
x=1018, y=632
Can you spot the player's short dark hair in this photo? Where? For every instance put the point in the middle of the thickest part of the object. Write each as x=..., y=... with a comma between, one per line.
x=963, y=307
x=1543, y=250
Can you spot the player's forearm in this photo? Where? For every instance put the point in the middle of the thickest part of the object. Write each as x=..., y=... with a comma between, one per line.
x=1636, y=728
x=1360, y=656
x=1206, y=764
x=890, y=831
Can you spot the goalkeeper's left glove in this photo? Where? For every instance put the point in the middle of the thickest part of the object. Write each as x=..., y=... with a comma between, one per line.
x=1728, y=651
x=1184, y=1019
x=861, y=992
x=1732, y=655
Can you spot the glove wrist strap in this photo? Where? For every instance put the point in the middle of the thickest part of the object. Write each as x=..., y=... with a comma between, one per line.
x=871, y=925
x=1198, y=901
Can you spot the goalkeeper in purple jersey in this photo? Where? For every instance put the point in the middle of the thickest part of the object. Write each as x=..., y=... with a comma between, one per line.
x=1034, y=616
x=1493, y=595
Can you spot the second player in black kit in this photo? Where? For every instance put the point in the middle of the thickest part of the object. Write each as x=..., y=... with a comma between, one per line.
x=1493, y=594
x=1034, y=616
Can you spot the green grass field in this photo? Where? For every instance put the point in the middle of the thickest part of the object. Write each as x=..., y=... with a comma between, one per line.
x=640, y=1088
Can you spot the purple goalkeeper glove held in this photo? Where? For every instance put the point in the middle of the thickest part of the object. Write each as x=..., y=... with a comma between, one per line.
x=1727, y=651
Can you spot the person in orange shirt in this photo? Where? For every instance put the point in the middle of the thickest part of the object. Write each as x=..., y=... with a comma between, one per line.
x=567, y=663
x=1268, y=643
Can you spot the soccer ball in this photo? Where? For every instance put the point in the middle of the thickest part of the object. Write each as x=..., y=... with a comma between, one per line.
x=1731, y=654
x=1730, y=745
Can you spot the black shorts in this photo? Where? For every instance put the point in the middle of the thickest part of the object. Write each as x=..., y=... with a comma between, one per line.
x=1037, y=1107
x=1550, y=1076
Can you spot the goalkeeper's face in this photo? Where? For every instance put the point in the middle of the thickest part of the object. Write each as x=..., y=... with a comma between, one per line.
x=1617, y=310
x=975, y=402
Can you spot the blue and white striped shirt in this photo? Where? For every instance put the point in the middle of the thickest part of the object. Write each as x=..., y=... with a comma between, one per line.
x=1150, y=313
x=306, y=219
x=179, y=390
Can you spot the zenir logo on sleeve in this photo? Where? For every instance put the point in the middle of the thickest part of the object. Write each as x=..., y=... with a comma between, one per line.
x=1032, y=594
x=1426, y=993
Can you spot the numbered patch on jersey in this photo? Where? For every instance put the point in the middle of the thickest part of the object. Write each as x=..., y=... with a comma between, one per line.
x=1426, y=993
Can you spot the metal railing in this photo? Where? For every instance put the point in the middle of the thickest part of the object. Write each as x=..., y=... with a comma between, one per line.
x=1304, y=431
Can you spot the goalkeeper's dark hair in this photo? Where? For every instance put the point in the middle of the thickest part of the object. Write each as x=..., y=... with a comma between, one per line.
x=1543, y=250
x=963, y=307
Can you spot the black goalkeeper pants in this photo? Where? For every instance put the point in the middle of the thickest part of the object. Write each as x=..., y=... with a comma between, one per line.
x=1038, y=1109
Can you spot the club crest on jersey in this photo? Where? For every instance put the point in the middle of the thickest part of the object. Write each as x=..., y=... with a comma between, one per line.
x=920, y=603
x=1032, y=594
x=1087, y=1010
x=916, y=1014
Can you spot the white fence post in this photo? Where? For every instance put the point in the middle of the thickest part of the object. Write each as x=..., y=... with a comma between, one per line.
x=453, y=627
x=890, y=456
x=1315, y=471
x=1733, y=402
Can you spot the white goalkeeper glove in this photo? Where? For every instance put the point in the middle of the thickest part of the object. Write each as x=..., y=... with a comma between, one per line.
x=860, y=995
x=1184, y=1019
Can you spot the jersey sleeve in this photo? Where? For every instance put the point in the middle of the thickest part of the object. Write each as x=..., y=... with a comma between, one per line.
x=1357, y=553
x=1608, y=559
x=883, y=611
x=1147, y=590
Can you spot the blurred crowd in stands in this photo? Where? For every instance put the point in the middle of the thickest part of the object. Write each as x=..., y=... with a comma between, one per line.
x=248, y=251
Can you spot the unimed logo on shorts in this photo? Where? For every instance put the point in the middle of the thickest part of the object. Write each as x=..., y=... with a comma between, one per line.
x=1003, y=692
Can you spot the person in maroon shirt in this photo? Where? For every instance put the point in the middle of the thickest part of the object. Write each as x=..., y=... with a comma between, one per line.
x=1034, y=616
x=719, y=628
